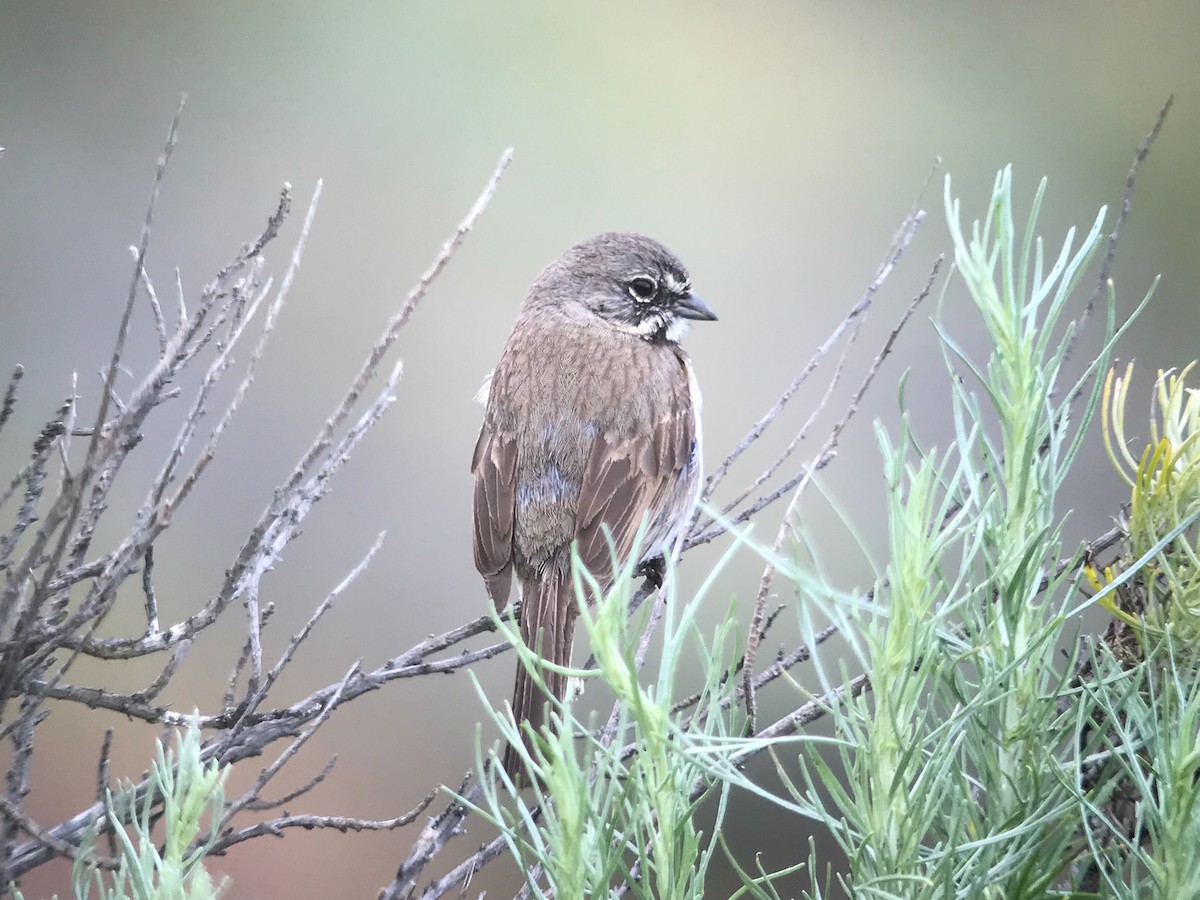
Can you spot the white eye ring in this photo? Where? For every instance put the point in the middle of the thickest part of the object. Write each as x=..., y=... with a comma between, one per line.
x=643, y=288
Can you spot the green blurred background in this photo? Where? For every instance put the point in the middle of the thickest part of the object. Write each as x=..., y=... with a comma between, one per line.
x=775, y=146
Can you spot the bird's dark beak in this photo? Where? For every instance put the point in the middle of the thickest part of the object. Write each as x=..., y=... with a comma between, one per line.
x=689, y=306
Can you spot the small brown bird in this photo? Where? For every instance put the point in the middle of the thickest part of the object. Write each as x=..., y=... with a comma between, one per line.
x=592, y=423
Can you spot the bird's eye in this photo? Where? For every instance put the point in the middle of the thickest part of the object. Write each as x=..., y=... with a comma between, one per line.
x=643, y=288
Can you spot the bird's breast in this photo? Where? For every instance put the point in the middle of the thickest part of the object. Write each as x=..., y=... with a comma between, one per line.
x=559, y=378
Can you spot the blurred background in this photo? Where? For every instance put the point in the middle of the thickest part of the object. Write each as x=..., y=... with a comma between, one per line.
x=774, y=146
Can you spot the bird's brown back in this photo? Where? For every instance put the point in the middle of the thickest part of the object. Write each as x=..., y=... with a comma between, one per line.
x=603, y=384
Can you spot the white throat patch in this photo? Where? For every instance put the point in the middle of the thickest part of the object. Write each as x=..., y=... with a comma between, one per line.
x=671, y=327
x=677, y=329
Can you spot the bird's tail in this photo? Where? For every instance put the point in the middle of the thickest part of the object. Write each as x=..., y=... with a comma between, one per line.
x=548, y=616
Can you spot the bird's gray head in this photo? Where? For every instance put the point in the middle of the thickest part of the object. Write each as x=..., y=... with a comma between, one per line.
x=632, y=282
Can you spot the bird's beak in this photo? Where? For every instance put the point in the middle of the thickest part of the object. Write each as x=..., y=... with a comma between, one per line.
x=689, y=306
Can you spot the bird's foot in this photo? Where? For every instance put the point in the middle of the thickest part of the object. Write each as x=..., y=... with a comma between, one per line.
x=654, y=570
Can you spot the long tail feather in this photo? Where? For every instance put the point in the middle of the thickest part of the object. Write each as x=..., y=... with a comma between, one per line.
x=548, y=624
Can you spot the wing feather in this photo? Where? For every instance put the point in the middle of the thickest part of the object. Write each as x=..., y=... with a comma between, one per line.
x=628, y=479
x=495, y=468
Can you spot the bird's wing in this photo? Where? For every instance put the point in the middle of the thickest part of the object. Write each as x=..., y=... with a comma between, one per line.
x=495, y=468
x=628, y=479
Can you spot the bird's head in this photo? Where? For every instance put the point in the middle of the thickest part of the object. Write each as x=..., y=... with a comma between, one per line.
x=633, y=283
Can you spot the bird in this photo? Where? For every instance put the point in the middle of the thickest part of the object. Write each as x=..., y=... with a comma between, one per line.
x=591, y=429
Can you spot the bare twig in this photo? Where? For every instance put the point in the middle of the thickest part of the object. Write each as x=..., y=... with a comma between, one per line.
x=160, y=323
x=148, y=590
x=10, y=395
x=15, y=815
x=310, y=822
x=463, y=872
x=103, y=779
x=1114, y=238
x=253, y=793
x=260, y=805
x=433, y=837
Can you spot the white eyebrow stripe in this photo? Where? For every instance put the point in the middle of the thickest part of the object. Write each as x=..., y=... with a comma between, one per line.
x=674, y=285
